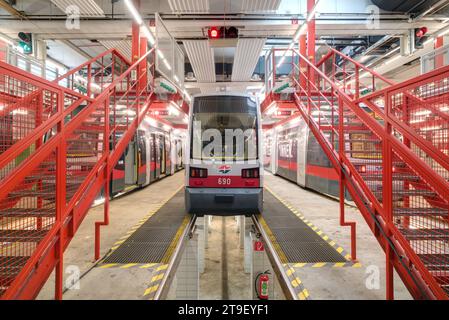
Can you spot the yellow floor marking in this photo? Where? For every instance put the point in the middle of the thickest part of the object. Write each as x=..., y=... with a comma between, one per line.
x=339, y=264
x=172, y=246
x=148, y=265
x=163, y=267
x=157, y=277
x=296, y=282
x=300, y=265
x=303, y=295
x=150, y=290
x=273, y=240
x=109, y=265
x=319, y=264
x=339, y=249
x=128, y=265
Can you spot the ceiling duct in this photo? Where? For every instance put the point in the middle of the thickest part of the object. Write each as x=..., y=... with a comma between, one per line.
x=201, y=57
x=123, y=46
x=189, y=6
x=87, y=8
x=254, y=6
x=412, y=6
x=246, y=56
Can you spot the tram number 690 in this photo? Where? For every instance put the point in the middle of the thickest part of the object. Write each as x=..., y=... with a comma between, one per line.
x=224, y=181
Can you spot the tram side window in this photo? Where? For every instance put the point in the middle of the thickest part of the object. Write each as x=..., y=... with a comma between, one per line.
x=315, y=154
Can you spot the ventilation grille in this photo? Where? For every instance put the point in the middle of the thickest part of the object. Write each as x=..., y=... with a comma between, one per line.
x=251, y=6
x=201, y=57
x=123, y=46
x=189, y=6
x=246, y=57
x=87, y=8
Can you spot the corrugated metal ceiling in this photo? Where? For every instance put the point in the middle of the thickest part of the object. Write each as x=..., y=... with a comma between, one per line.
x=189, y=6
x=254, y=6
x=246, y=56
x=123, y=46
x=87, y=8
x=201, y=58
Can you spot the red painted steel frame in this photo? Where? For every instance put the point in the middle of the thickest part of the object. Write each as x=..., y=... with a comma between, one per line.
x=69, y=215
x=420, y=277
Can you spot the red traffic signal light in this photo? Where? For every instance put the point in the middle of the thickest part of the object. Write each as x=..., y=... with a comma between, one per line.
x=214, y=33
x=223, y=33
x=421, y=32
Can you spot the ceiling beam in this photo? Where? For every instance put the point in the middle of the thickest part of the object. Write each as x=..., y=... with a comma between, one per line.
x=11, y=10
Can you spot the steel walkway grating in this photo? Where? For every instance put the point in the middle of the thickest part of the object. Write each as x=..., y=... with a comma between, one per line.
x=153, y=239
x=297, y=241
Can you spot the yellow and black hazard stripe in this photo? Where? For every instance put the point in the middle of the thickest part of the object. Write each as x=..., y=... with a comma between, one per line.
x=314, y=228
x=139, y=224
x=273, y=240
x=128, y=265
x=156, y=278
x=301, y=292
x=349, y=264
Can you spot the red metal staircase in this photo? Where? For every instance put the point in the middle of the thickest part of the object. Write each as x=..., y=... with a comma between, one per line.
x=59, y=142
x=390, y=145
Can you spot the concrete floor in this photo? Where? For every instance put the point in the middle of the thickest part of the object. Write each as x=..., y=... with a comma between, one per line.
x=338, y=283
x=229, y=281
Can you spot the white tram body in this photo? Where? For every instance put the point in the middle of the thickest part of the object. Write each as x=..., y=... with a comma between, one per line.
x=224, y=163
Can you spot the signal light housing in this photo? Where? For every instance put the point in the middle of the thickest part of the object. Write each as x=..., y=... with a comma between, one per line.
x=223, y=33
x=252, y=173
x=26, y=42
x=198, y=172
x=214, y=33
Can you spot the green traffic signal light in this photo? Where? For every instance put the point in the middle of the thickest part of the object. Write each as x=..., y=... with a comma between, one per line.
x=26, y=47
x=26, y=42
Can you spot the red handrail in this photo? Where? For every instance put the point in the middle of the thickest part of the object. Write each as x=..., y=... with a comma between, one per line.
x=315, y=83
x=69, y=215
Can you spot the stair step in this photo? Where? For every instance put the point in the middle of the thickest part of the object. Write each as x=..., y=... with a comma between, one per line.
x=434, y=262
x=363, y=140
x=420, y=212
x=411, y=192
x=10, y=267
x=48, y=195
x=29, y=213
x=22, y=235
x=355, y=162
x=425, y=234
x=396, y=176
x=364, y=151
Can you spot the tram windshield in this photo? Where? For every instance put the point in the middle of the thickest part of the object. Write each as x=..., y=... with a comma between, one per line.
x=224, y=128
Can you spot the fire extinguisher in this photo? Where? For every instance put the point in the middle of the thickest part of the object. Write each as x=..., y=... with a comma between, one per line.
x=262, y=281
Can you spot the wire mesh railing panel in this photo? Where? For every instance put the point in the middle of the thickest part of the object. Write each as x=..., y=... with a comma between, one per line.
x=23, y=108
x=424, y=108
x=93, y=77
x=380, y=160
x=421, y=215
x=84, y=147
x=26, y=215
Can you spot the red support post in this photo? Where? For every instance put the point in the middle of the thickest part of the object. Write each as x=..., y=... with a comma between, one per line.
x=439, y=59
x=311, y=32
x=142, y=74
x=61, y=171
x=303, y=64
x=135, y=35
x=342, y=180
x=105, y=221
x=387, y=199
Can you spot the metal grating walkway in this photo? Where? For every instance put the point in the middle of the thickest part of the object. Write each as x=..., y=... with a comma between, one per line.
x=295, y=240
x=154, y=241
